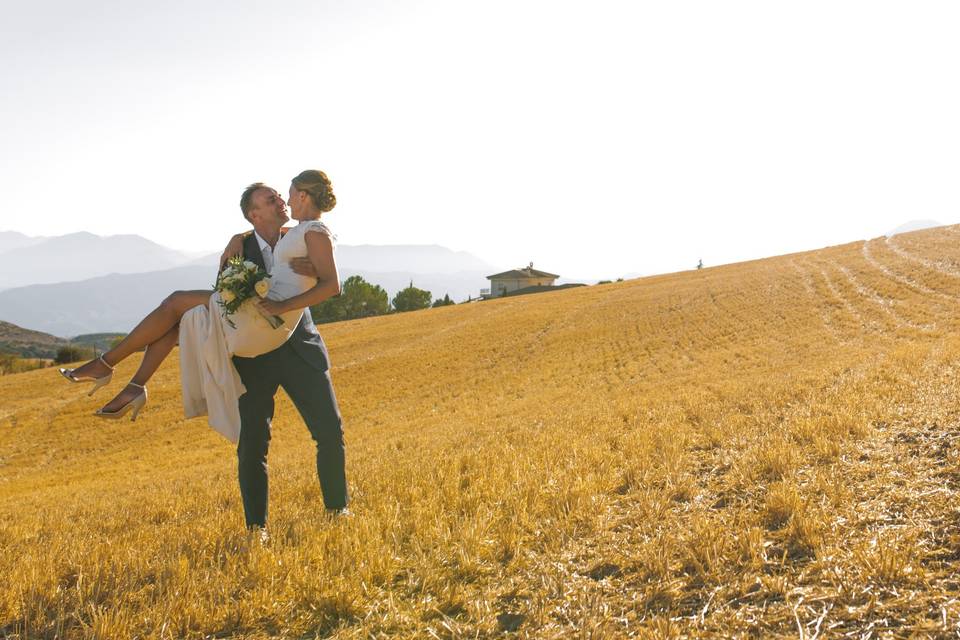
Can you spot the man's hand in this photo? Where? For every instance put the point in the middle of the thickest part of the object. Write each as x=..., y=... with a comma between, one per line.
x=303, y=267
x=234, y=248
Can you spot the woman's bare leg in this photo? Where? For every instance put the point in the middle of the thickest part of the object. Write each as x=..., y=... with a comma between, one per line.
x=151, y=329
x=157, y=351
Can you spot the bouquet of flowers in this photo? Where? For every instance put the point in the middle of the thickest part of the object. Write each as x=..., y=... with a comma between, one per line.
x=240, y=281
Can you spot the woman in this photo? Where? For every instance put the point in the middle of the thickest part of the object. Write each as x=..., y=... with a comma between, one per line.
x=295, y=285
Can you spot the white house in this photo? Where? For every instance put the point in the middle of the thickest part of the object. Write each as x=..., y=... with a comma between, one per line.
x=515, y=279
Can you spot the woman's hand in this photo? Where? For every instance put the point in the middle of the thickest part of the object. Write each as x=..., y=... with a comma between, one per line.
x=234, y=248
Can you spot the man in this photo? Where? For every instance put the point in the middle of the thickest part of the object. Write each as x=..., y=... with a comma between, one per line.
x=300, y=366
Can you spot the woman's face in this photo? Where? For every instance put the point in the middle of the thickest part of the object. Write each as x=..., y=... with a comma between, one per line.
x=296, y=201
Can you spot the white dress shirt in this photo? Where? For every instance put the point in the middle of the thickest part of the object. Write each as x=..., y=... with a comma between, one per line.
x=267, y=252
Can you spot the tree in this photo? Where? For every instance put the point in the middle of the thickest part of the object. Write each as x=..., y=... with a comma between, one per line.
x=358, y=299
x=411, y=299
x=444, y=302
x=73, y=353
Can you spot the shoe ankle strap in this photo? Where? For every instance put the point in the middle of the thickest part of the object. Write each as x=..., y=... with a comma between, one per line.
x=138, y=386
x=105, y=363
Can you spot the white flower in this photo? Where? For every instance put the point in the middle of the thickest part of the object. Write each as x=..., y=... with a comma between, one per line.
x=228, y=296
x=262, y=287
x=249, y=266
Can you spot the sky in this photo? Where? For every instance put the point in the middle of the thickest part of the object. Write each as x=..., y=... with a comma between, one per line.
x=593, y=138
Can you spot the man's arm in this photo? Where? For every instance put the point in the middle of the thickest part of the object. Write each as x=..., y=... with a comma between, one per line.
x=303, y=267
x=234, y=248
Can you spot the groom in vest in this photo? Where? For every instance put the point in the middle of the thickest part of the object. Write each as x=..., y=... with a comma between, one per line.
x=300, y=366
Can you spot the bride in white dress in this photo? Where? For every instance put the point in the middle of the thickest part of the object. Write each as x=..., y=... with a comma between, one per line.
x=303, y=273
x=211, y=385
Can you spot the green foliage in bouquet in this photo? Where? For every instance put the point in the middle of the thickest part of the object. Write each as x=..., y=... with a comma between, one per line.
x=240, y=281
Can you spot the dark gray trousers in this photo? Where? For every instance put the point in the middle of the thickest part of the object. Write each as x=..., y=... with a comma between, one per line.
x=311, y=390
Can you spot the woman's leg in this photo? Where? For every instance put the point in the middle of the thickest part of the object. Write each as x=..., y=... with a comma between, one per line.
x=151, y=329
x=156, y=353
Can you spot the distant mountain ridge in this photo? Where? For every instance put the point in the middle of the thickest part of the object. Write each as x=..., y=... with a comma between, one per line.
x=78, y=256
x=118, y=301
x=114, y=302
x=15, y=240
x=390, y=258
x=413, y=258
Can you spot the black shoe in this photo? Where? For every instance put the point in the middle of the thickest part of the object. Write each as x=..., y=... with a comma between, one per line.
x=342, y=512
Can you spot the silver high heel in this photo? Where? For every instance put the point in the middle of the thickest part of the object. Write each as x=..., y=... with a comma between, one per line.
x=97, y=382
x=134, y=405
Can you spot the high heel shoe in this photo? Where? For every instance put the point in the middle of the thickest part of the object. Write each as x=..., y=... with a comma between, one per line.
x=134, y=405
x=97, y=382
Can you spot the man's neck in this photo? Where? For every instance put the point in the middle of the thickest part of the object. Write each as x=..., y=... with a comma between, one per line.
x=270, y=234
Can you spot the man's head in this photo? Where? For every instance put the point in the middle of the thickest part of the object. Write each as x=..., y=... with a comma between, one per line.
x=263, y=207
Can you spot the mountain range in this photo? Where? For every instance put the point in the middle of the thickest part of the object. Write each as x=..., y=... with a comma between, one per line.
x=78, y=256
x=14, y=240
x=84, y=283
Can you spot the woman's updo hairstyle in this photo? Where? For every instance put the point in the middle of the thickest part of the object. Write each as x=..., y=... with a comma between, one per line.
x=317, y=184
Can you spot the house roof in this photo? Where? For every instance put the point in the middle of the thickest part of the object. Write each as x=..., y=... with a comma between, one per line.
x=526, y=272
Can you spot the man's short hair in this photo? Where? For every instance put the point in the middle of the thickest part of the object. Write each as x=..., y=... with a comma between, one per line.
x=247, y=197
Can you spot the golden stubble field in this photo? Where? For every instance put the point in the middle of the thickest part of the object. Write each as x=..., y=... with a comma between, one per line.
x=761, y=449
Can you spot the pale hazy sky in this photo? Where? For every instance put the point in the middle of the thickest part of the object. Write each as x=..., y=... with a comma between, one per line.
x=593, y=138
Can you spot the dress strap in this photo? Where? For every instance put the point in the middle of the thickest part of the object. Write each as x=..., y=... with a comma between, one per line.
x=319, y=227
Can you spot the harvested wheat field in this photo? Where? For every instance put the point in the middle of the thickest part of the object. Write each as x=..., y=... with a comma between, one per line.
x=762, y=449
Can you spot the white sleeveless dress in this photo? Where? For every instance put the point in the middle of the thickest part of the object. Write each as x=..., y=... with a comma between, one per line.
x=210, y=383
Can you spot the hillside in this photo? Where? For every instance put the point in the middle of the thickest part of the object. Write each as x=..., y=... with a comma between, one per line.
x=101, y=341
x=764, y=449
x=35, y=344
x=28, y=343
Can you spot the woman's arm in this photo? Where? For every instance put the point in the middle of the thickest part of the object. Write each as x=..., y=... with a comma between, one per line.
x=320, y=253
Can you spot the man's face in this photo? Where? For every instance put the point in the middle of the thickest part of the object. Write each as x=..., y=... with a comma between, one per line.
x=268, y=208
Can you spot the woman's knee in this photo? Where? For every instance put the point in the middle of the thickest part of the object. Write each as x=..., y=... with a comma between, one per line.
x=176, y=303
